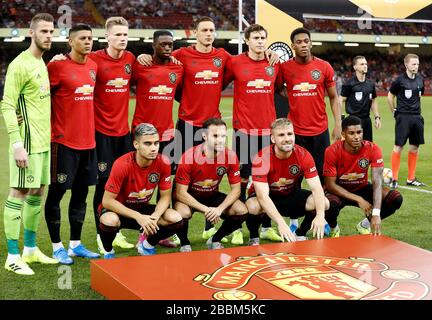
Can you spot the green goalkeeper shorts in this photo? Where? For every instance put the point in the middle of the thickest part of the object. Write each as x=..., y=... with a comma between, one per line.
x=35, y=175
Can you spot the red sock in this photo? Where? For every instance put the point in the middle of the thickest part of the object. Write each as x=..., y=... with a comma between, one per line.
x=395, y=162
x=412, y=163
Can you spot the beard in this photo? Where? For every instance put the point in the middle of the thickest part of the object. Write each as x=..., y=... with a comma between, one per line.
x=40, y=45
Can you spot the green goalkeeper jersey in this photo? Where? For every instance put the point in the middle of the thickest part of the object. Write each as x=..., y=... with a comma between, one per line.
x=27, y=92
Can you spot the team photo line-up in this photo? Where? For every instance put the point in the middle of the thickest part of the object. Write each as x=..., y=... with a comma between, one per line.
x=68, y=129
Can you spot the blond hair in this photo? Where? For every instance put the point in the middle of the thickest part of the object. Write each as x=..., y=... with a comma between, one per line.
x=116, y=21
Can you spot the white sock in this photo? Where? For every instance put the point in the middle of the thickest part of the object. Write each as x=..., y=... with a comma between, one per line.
x=335, y=228
x=112, y=251
x=74, y=243
x=147, y=245
x=294, y=222
x=57, y=246
x=119, y=234
x=264, y=229
x=365, y=223
x=29, y=250
x=12, y=258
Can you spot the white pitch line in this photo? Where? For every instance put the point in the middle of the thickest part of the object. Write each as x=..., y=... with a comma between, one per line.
x=415, y=189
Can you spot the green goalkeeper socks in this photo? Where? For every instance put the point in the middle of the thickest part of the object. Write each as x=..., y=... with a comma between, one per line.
x=12, y=222
x=31, y=213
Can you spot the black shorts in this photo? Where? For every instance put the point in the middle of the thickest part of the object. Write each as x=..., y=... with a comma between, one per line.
x=316, y=145
x=129, y=223
x=366, y=193
x=293, y=205
x=186, y=137
x=72, y=167
x=367, y=128
x=409, y=126
x=246, y=147
x=108, y=149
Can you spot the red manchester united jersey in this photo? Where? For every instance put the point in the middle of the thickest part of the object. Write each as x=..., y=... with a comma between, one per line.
x=306, y=85
x=203, y=175
x=351, y=170
x=72, y=116
x=282, y=175
x=134, y=185
x=254, y=87
x=111, y=96
x=202, y=83
x=155, y=89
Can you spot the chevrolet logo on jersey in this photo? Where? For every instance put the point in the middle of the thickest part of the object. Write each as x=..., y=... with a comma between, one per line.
x=304, y=86
x=208, y=183
x=161, y=89
x=85, y=89
x=259, y=83
x=117, y=82
x=207, y=74
x=282, y=182
x=352, y=176
x=140, y=195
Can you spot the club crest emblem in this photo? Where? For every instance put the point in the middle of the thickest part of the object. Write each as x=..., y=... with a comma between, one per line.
x=173, y=77
x=363, y=163
x=294, y=169
x=316, y=74
x=93, y=75
x=61, y=177
x=153, y=178
x=221, y=171
x=269, y=71
x=128, y=68
x=102, y=166
x=217, y=62
x=30, y=179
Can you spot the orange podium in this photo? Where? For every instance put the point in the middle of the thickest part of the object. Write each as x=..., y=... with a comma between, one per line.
x=361, y=267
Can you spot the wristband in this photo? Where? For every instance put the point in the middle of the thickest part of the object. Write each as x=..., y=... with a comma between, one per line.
x=17, y=145
x=376, y=212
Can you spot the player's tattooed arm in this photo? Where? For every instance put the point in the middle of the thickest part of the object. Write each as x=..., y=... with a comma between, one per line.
x=377, y=199
x=337, y=112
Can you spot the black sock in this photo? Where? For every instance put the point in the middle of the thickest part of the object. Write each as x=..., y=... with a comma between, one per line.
x=230, y=224
x=97, y=200
x=52, y=211
x=306, y=223
x=266, y=221
x=182, y=233
x=208, y=225
x=332, y=214
x=107, y=235
x=253, y=223
x=164, y=232
x=77, y=211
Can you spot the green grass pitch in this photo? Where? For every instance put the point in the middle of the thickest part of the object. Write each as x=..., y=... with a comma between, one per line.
x=411, y=224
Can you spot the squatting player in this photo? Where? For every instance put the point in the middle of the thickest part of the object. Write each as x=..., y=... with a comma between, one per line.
x=277, y=172
x=346, y=170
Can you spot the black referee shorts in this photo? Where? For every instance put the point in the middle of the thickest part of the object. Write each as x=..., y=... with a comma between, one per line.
x=409, y=126
x=72, y=167
x=110, y=148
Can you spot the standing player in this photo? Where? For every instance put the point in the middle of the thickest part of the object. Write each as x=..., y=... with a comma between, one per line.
x=360, y=97
x=155, y=89
x=198, y=176
x=307, y=78
x=254, y=109
x=27, y=93
x=346, y=170
x=408, y=88
x=130, y=187
x=277, y=172
x=111, y=105
x=73, y=154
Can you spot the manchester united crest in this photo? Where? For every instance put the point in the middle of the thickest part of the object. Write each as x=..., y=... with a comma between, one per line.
x=153, y=178
x=363, y=163
x=173, y=77
x=294, y=169
x=217, y=62
x=221, y=171
x=61, y=177
x=30, y=179
x=316, y=74
x=128, y=68
x=102, y=166
x=93, y=75
x=269, y=71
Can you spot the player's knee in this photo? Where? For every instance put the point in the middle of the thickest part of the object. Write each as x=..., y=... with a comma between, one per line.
x=239, y=208
x=394, y=199
x=110, y=219
x=310, y=203
x=172, y=216
x=253, y=207
x=326, y=204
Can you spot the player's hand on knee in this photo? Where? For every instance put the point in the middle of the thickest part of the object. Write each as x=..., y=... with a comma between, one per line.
x=365, y=206
x=286, y=233
x=376, y=225
x=148, y=223
x=20, y=155
x=318, y=226
x=145, y=59
x=58, y=57
x=213, y=214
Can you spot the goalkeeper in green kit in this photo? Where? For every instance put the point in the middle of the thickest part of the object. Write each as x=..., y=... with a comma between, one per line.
x=27, y=92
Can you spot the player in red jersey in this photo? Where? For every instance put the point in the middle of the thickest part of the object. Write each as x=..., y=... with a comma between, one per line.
x=130, y=187
x=346, y=169
x=255, y=83
x=73, y=154
x=277, y=172
x=155, y=89
x=307, y=78
x=198, y=176
x=111, y=103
